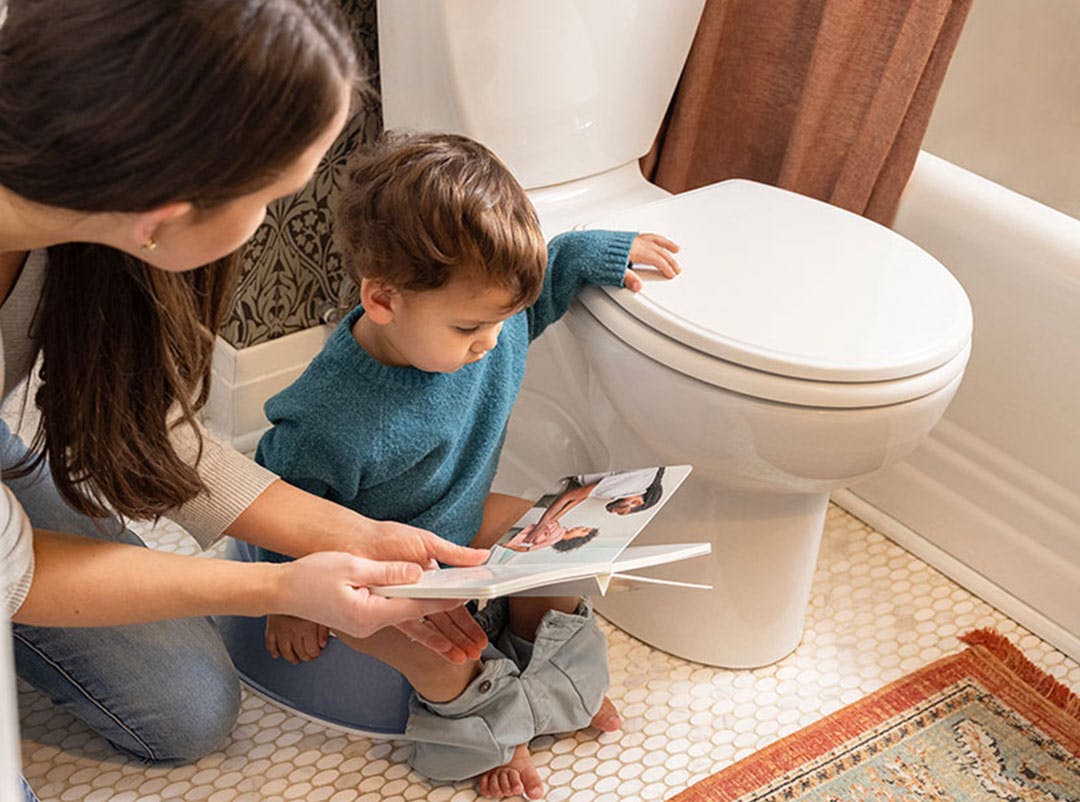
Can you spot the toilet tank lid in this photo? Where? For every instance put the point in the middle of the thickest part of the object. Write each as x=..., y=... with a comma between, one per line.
x=782, y=283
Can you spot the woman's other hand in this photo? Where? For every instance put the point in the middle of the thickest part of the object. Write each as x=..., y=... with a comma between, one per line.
x=454, y=634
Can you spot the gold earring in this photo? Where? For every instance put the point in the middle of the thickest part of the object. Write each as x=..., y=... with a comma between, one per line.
x=150, y=245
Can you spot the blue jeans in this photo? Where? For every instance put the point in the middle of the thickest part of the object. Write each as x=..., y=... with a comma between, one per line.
x=28, y=795
x=165, y=691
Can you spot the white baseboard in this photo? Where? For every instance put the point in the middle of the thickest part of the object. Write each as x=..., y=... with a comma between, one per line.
x=244, y=378
x=993, y=525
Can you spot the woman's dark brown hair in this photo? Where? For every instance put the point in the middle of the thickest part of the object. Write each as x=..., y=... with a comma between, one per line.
x=124, y=106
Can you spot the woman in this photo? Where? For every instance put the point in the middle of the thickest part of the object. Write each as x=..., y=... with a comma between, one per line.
x=139, y=141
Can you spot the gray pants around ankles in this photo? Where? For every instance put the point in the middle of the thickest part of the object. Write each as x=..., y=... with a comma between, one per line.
x=556, y=686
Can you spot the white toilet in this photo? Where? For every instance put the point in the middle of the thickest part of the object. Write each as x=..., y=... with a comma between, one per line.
x=802, y=349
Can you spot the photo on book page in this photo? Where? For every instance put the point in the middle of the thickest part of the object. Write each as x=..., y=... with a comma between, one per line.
x=588, y=518
x=576, y=536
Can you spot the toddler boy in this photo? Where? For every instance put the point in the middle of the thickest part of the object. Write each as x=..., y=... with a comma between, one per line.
x=403, y=414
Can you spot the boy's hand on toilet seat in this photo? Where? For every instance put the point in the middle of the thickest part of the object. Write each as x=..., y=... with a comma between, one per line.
x=654, y=251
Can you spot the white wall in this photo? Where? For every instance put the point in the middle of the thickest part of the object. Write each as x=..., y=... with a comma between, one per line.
x=1009, y=108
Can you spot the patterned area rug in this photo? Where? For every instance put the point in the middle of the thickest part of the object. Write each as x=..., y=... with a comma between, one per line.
x=982, y=726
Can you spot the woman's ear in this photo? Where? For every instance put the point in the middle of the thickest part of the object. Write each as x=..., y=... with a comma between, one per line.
x=378, y=299
x=146, y=225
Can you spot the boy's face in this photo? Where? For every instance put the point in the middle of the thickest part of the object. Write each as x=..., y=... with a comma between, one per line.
x=443, y=330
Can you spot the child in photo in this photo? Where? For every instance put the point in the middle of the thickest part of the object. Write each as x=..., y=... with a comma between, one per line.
x=402, y=416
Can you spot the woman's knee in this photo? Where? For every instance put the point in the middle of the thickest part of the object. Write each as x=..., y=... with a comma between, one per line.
x=162, y=692
x=199, y=711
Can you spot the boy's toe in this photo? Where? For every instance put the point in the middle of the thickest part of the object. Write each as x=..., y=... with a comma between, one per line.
x=511, y=783
x=607, y=717
x=531, y=783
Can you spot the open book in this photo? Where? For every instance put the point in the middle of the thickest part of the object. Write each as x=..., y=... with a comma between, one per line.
x=574, y=541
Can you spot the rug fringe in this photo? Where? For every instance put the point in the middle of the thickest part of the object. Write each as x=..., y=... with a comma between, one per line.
x=1042, y=683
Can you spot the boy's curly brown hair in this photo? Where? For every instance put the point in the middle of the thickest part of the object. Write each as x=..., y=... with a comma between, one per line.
x=418, y=209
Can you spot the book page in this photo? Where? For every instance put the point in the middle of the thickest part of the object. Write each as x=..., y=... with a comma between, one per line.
x=588, y=518
x=575, y=532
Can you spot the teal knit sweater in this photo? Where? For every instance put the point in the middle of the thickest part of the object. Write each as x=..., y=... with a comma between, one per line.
x=397, y=443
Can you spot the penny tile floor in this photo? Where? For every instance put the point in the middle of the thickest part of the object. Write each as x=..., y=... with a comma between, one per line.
x=876, y=613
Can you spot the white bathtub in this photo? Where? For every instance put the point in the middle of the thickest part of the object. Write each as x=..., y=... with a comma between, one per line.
x=993, y=498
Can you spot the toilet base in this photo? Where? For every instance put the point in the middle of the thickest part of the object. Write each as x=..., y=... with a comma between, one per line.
x=764, y=553
x=764, y=545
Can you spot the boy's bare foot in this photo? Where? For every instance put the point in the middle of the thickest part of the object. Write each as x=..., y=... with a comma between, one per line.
x=607, y=718
x=519, y=777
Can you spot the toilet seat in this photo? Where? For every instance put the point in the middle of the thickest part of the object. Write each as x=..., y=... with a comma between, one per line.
x=759, y=384
x=771, y=325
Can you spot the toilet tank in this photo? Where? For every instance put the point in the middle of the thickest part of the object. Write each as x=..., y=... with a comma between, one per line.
x=559, y=89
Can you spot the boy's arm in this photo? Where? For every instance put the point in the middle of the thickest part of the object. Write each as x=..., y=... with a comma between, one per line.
x=576, y=259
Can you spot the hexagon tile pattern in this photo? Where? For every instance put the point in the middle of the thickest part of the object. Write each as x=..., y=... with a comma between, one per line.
x=876, y=613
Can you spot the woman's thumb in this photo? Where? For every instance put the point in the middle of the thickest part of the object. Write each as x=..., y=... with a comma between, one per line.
x=452, y=554
x=370, y=572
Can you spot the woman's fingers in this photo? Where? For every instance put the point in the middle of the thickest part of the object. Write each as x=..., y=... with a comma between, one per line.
x=371, y=572
x=422, y=633
x=333, y=588
x=452, y=554
x=459, y=627
x=431, y=631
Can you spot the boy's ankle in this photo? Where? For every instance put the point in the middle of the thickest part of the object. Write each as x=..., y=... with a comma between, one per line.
x=449, y=683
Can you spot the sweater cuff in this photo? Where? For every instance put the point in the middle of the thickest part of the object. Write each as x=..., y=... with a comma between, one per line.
x=233, y=482
x=611, y=269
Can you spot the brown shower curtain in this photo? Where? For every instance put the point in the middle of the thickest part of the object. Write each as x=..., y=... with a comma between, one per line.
x=829, y=98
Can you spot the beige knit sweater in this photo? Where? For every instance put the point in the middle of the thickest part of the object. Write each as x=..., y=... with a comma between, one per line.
x=234, y=480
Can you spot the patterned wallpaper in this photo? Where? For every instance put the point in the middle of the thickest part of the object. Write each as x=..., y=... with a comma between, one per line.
x=291, y=271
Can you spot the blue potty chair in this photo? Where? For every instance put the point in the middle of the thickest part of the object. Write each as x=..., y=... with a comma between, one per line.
x=341, y=687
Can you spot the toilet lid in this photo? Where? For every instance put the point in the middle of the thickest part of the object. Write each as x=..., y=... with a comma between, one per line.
x=782, y=283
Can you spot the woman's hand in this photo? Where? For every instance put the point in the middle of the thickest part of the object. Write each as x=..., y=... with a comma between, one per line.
x=654, y=251
x=389, y=540
x=288, y=520
x=454, y=634
x=333, y=589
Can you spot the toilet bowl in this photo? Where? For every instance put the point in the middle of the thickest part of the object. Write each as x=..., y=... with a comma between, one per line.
x=802, y=349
